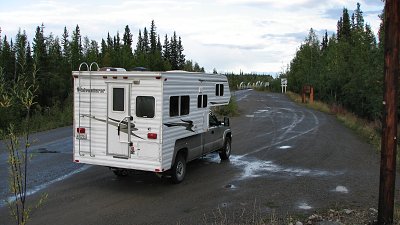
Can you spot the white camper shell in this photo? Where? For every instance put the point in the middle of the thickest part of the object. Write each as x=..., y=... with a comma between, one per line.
x=143, y=120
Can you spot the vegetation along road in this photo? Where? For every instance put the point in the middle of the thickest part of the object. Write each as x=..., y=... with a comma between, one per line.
x=286, y=159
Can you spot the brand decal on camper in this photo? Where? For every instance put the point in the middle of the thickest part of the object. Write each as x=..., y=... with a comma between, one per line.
x=186, y=123
x=93, y=90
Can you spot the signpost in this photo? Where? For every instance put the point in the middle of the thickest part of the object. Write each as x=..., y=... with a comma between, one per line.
x=284, y=84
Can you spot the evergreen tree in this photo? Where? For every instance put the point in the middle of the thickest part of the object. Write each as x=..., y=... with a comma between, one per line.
x=139, y=44
x=6, y=60
x=166, y=49
x=174, y=55
x=345, y=28
x=145, y=43
x=153, y=38
x=20, y=49
x=181, y=56
x=359, y=19
x=139, y=55
x=39, y=49
x=159, y=46
x=93, y=54
x=324, y=44
x=116, y=56
x=127, y=55
x=105, y=54
x=76, y=48
x=66, y=50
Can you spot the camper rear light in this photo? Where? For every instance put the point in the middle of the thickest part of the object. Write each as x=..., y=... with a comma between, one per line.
x=152, y=136
x=81, y=133
x=80, y=130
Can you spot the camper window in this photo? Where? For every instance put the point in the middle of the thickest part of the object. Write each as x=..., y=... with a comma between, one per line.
x=185, y=102
x=145, y=106
x=179, y=105
x=174, y=106
x=219, y=89
x=118, y=99
x=201, y=101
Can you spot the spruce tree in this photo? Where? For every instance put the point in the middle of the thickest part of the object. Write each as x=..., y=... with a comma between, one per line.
x=181, y=56
x=66, y=50
x=39, y=49
x=174, y=57
x=166, y=49
x=126, y=54
x=20, y=49
x=153, y=38
x=6, y=60
x=76, y=48
x=145, y=43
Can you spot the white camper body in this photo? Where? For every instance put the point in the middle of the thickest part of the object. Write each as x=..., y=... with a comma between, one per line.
x=140, y=120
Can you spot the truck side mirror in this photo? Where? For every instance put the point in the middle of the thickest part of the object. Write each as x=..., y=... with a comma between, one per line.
x=226, y=121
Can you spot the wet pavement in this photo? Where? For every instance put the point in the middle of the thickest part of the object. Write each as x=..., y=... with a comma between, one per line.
x=286, y=159
x=50, y=161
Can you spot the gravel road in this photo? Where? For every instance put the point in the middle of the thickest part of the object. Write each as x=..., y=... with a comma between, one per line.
x=286, y=159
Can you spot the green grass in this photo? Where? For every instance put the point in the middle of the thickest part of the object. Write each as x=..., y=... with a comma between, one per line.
x=50, y=118
x=230, y=110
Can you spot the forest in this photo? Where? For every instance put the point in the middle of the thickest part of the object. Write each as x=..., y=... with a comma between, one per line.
x=52, y=58
x=345, y=69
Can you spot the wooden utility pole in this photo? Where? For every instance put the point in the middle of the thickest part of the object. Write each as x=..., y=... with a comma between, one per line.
x=389, y=123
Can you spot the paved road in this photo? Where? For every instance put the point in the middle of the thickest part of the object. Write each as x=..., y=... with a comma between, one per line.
x=51, y=161
x=286, y=159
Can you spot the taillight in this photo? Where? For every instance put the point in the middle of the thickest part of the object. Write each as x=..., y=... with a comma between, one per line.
x=152, y=136
x=80, y=130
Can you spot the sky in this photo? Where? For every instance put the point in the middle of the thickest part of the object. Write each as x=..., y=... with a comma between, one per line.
x=253, y=36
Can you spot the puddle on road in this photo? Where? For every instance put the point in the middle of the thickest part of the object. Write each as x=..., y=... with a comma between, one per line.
x=43, y=150
x=261, y=111
x=253, y=167
x=304, y=206
x=341, y=189
x=249, y=116
x=285, y=147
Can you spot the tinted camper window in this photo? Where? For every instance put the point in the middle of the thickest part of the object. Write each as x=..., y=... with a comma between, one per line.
x=118, y=99
x=201, y=101
x=219, y=89
x=185, y=102
x=145, y=106
x=179, y=105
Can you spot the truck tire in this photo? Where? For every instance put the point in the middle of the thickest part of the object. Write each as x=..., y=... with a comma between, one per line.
x=178, y=170
x=225, y=152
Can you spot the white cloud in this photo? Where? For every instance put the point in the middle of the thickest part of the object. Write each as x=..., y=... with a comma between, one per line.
x=230, y=35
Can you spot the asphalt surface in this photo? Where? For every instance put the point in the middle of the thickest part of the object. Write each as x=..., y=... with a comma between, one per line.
x=286, y=159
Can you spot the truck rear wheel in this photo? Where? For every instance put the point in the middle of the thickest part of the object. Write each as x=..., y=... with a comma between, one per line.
x=226, y=150
x=178, y=170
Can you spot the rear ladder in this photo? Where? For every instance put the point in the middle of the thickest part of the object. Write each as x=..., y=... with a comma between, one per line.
x=81, y=103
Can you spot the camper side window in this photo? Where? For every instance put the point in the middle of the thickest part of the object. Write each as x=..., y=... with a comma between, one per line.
x=185, y=104
x=201, y=101
x=145, y=106
x=179, y=105
x=219, y=89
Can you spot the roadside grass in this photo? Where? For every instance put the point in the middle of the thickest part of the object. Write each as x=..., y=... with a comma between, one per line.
x=57, y=116
x=231, y=109
x=256, y=216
